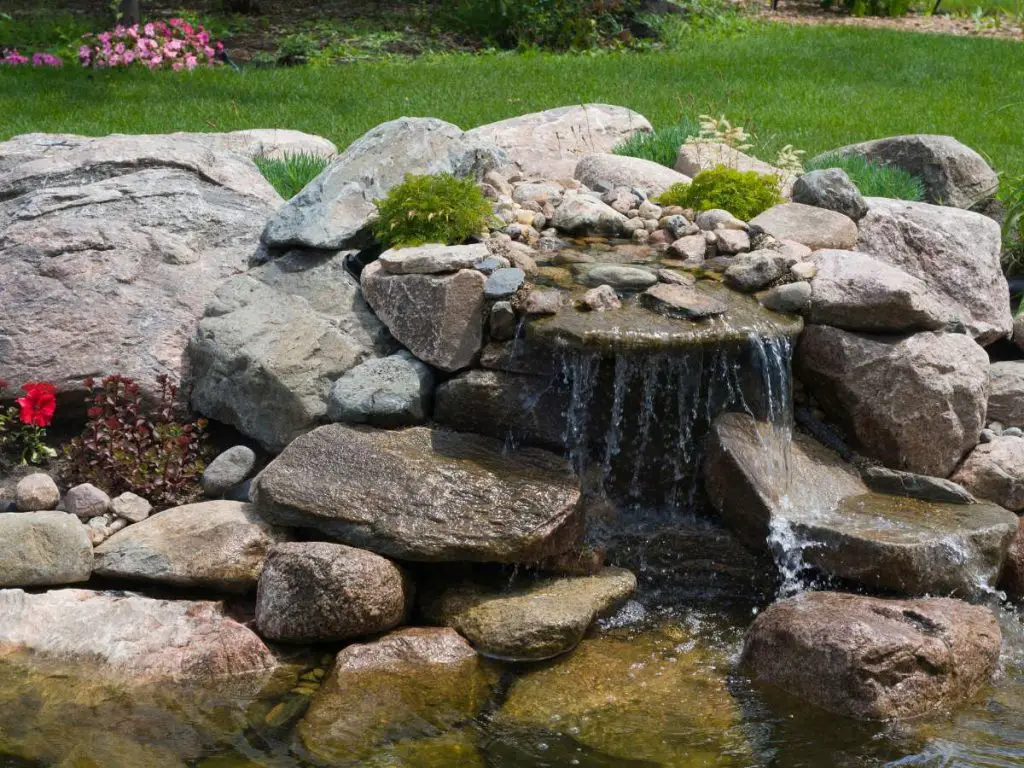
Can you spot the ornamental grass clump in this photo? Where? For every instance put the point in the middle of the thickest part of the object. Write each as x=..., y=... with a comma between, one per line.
x=744, y=194
x=873, y=179
x=288, y=175
x=431, y=209
x=175, y=44
x=23, y=425
x=660, y=146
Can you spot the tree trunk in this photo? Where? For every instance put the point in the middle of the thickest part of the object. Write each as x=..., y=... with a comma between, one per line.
x=129, y=12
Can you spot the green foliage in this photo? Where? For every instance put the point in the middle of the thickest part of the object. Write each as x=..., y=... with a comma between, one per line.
x=743, y=193
x=297, y=49
x=707, y=19
x=1011, y=195
x=873, y=179
x=431, y=209
x=289, y=175
x=661, y=146
x=873, y=7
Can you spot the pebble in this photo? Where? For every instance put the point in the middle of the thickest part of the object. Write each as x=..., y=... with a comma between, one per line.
x=86, y=501
x=36, y=492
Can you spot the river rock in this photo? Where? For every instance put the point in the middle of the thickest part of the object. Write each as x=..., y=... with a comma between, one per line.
x=275, y=339
x=913, y=402
x=218, y=545
x=130, y=507
x=110, y=249
x=995, y=471
x=622, y=171
x=618, y=276
x=814, y=227
x=548, y=145
x=953, y=173
x=36, y=492
x=601, y=299
x=43, y=548
x=86, y=501
x=1006, y=393
x=422, y=494
x=790, y=297
x=410, y=682
x=312, y=592
x=869, y=658
x=391, y=391
x=695, y=157
x=503, y=283
x=755, y=270
x=336, y=209
x=830, y=188
x=858, y=292
x=681, y=301
x=955, y=253
x=690, y=248
x=895, y=482
x=715, y=219
x=438, y=317
x=433, y=259
x=532, y=621
x=729, y=242
x=230, y=468
x=812, y=509
x=583, y=215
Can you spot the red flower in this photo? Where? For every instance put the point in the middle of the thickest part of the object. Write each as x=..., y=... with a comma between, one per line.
x=39, y=403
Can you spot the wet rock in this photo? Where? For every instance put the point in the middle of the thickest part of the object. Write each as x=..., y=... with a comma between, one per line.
x=869, y=658
x=543, y=302
x=1012, y=579
x=410, y=682
x=731, y=241
x=518, y=356
x=678, y=226
x=675, y=277
x=681, y=301
x=814, y=227
x=230, y=468
x=582, y=215
x=131, y=507
x=503, y=283
x=532, y=621
x=1006, y=395
x=86, y=501
x=995, y=471
x=897, y=483
x=446, y=328
x=623, y=171
x=503, y=321
x=313, y=592
x=791, y=297
x=36, y=492
x=218, y=545
x=753, y=271
x=421, y=494
x=619, y=277
x=392, y=391
x=954, y=253
x=433, y=259
x=704, y=156
x=43, y=548
x=913, y=402
x=830, y=188
x=600, y=299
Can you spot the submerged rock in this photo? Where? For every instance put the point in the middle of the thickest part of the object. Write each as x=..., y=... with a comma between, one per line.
x=869, y=658
x=43, y=548
x=897, y=483
x=423, y=494
x=995, y=471
x=681, y=301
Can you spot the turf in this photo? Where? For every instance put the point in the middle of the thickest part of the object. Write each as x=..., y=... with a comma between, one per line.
x=813, y=87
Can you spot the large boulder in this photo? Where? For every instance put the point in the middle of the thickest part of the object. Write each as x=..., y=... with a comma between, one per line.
x=814, y=227
x=43, y=548
x=607, y=170
x=913, y=402
x=270, y=143
x=533, y=621
x=547, y=145
x=953, y=173
x=412, y=682
x=110, y=249
x=955, y=253
x=317, y=592
x=694, y=157
x=422, y=494
x=870, y=658
x=275, y=339
x=808, y=508
x=1006, y=393
x=336, y=209
x=218, y=545
x=995, y=471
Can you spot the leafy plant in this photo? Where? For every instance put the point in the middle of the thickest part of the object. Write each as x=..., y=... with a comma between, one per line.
x=743, y=193
x=431, y=209
x=709, y=19
x=661, y=146
x=873, y=179
x=23, y=425
x=1011, y=195
x=124, y=449
x=290, y=174
x=297, y=49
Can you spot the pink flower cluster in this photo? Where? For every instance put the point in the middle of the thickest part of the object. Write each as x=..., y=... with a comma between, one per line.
x=13, y=58
x=174, y=44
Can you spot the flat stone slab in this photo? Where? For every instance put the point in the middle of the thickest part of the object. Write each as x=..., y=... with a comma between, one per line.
x=433, y=258
x=423, y=494
x=681, y=301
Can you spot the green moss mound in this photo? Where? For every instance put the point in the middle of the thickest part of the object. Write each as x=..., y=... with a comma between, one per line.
x=743, y=193
x=431, y=209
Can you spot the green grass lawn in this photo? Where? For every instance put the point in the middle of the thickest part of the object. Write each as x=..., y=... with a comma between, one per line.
x=813, y=87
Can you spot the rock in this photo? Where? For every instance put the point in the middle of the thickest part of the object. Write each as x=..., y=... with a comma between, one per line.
x=953, y=174
x=421, y=494
x=681, y=301
x=549, y=144
x=230, y=468
x=217, y=545
x=1018, y=331
x=678, y=226
x=275, y=339
x=915, y=402
x=410, y=682
x=336, y=209
x=131, y=507
x=857, y=292
x=814, y=227
x=995, y=471
x=1006, y=392
x=790, y=297
x=1013, y=432
x=270, y=143
x=504, y=283
x=86, y=500
x=433, y=258
x=392, y=391
x=810, y=509
x=622, y=171
x=674, y=277
x=543, y=302
x=533, y=621
x=703, y=156
x=869, y=658
x=715, y=219
x=583, y=215
x=133, y=639
x=830, y=188
x=955, y=253
x=690, y=248
x=896, y=483
x=732, y=241
x=36, y=492
x=600, y=299
x=804, y=270
x=1012, y=579
x=987, y=436
x=313, y=592
x=43, y=548
x=540, y=192
x=618, y=276
x=438, y=317
x=110, y=249
x=755, y=270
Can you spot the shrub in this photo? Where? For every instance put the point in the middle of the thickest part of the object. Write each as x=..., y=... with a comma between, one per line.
x=23, y=425
x=290, y=174
x=873, y=179
x=743, y=193
x=661, y=146
x=1011, y=195
x=176, y=45
x=431, y=209
x=124, y=449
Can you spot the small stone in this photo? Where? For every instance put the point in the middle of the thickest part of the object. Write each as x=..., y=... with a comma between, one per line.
x=681, y=301
x=620, y=277
x=543, y=302
x=133, y=508
x=600, y=299
x=97, y=522
x=732, y=241
x=756, y=270
x=632, y=226
x=503, y=321
x=672, y=277
x=499, y=182
x=660, y=236
x=995, y=426
x=1013, y=432
x=117, y=524
x=226, y=471
x=641, y=236
x=804, y=270
x=678, y=225
x=792, y=297
x=36, y=492
x=504, y=283
x=987, y=436
x=490, y=264
x=830, y=188
x=522, y=233
x=716, y=218
x=86, y=501
x=689, y=248
x=798, y=251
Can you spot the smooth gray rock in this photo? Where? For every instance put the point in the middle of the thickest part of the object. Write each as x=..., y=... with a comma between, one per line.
x=690, y=248
x=43, y=548
x=130, y=507
x=791, y=297
x=681, y=301
x=618, y=276
x=392, y=391
x=814, y=227
x=1006, y=392
x=622, y=171
x=583, y=215
x=897, y=483
x=86, y=501
x=503, y=283
x=36, y=492
x=755, y=270
x=433, y=259
x=830, y=188
x=229, y=469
